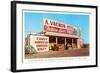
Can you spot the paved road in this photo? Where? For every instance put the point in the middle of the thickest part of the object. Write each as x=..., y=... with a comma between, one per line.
x=60, y=53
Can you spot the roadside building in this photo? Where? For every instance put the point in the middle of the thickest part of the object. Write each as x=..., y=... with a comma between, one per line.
x=64, y=35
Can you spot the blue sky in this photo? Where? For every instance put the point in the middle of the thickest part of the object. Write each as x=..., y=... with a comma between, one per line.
x=33, y=22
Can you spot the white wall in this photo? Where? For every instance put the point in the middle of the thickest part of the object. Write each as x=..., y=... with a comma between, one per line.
x=5, y=36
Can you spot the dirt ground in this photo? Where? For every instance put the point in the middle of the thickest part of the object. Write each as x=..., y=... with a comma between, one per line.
x=60, y=53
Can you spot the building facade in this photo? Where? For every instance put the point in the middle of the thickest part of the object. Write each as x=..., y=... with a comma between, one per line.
x=63, y=35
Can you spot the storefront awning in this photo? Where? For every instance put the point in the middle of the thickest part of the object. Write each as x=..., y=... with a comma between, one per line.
x=61, y=35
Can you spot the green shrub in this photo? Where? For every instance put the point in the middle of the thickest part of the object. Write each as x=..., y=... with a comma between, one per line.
x=30, y=50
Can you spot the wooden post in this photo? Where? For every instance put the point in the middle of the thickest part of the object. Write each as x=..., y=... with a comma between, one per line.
x=72, y=43
x=65, y=42
x=56, y=40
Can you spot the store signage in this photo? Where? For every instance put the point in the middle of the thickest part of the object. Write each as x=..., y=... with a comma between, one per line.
x=57, y=27
x=40, y=43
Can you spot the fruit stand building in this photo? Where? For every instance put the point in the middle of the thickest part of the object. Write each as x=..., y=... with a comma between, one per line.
x=60, y=34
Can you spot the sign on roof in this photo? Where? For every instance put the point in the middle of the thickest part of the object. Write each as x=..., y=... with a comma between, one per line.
x=58, y=27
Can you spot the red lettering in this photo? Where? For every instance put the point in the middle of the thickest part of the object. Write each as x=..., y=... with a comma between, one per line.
x=46, y=22
x=58, y=27
x=41, y=48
